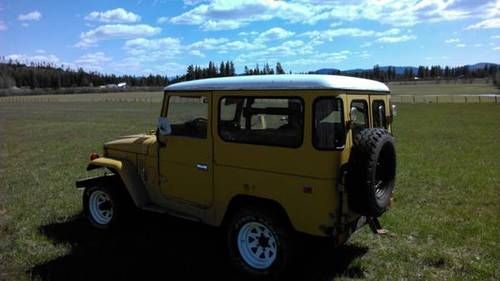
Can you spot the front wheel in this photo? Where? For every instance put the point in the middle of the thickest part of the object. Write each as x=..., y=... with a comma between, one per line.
x=259, y=243
x=103, y=206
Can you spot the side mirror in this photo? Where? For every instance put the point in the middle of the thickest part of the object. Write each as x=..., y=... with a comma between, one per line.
x=394, y=110
x=164, y=128
x=353, y=115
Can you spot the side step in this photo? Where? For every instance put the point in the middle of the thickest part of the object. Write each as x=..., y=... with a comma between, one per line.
x=154, y=208
x=157, y=209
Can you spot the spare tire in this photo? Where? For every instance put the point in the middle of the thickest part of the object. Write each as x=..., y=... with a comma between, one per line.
x=372, y=172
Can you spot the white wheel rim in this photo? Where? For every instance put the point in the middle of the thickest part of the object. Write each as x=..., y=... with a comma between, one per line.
x=101, y=207
x=257, y=245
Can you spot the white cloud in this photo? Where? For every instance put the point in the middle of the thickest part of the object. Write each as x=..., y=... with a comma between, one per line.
x=162, y=20
x=3, y=26
x=251, y=33
x=197, y=53
x=477, y=45
x=93, y=59
x=134, y=65
x=224, y=14
x=486, y=24
x=452, y=40
x=241, y=45
x=118, y=15
x=495, y=36
x=151, y=49
x=115, y=31
x=396, y=39
x=335, y=24
x=194, y=2
x=321, y=59
x=275, y=33
x=330, y=34
x=461, y=45
x=208, y=43
x=24, y=58
x=31, y=16
x=497, y=48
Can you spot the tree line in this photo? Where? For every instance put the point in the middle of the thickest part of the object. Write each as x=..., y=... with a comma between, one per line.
x=435, y=72
x=47, y=75
x=225, y=69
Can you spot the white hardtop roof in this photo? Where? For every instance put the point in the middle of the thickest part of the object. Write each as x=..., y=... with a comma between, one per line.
x=281, y=82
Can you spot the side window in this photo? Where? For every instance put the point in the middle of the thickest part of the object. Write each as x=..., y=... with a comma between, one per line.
x=378, y=112
x=329, y=131
x=361, y=117
x=266, y=121
x=188, y=116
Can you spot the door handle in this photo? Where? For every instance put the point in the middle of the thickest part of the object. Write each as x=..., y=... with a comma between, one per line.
x=202, y=167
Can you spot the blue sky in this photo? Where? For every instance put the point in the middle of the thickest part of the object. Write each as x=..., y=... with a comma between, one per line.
x=163, y=37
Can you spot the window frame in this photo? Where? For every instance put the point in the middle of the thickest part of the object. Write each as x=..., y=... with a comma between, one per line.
x=367, y=112
x=313, y=117
x=375, y=111
x=219, y=111
x=191, y=95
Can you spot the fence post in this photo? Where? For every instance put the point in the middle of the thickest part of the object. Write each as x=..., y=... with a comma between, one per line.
x=413, y=99
x=465, y=99
x=496, y=99
x=479, y=99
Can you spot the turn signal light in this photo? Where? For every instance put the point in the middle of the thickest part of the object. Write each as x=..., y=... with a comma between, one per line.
x=94, y=156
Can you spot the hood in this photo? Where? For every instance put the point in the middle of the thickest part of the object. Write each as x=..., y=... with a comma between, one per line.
x=134, y=143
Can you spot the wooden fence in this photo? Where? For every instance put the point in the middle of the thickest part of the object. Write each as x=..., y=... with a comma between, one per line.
x=492, y=98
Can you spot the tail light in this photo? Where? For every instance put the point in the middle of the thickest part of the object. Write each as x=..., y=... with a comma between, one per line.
x=93, y=156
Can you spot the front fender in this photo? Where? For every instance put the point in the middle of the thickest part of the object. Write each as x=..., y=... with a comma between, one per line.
x=129, y=176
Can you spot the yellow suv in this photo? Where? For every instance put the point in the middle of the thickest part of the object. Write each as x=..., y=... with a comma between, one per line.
x=262, y=156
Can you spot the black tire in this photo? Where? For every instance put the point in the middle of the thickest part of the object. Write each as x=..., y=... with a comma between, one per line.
x=281, y=231
x=118, y=204
x=372, y=172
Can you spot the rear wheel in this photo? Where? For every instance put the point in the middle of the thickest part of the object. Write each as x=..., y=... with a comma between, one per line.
x=259, y=243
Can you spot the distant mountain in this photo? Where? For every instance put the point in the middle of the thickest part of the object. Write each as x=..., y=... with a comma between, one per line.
x=481, y=65
x=325, y=71
x=399, y=69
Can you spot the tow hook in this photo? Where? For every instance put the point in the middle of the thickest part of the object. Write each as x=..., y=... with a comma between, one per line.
x=375, y=226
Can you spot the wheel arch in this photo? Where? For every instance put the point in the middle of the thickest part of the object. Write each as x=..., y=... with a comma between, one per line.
x=240, y=200
x=127, y=173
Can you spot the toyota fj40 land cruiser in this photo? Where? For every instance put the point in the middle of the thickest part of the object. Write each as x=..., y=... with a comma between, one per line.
x=262, y=156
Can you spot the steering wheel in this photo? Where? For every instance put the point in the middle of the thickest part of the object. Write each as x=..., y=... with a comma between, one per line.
x=196, y=123
x=199, y=120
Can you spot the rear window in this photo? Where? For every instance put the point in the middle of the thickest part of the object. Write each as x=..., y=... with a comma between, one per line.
x=378, y=111
x=361, y=117
x=272, y=121
x=329, y=130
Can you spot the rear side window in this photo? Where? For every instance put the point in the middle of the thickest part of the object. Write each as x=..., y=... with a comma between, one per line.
x=361, y=117
x=272, y=121
x=188, y=116
x=329, y=130
x=378, y=111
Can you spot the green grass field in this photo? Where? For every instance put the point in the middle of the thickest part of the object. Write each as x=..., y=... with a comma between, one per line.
x=444, y=225
x=479, y=87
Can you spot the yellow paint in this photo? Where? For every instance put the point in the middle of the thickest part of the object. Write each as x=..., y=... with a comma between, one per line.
x=173, y=181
